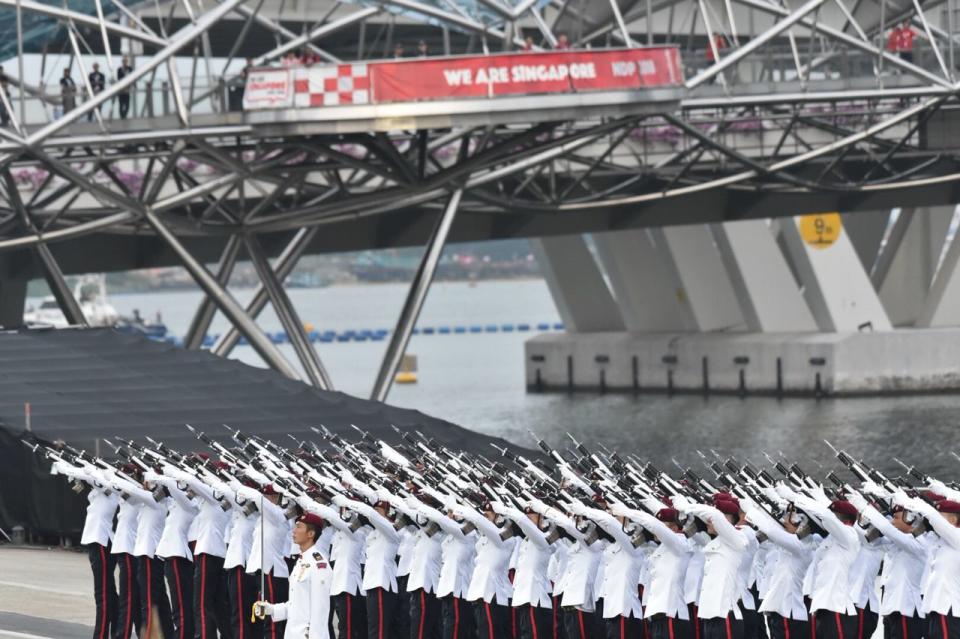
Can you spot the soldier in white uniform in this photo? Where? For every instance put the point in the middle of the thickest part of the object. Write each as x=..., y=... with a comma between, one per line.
x=531, y=588
x=307, y=611
x=102, y=503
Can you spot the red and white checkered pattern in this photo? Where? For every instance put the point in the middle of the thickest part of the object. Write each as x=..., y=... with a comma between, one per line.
x=331, y=85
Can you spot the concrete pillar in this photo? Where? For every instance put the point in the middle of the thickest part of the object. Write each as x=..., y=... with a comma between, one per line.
x=13, y=297
x=942, y=305
x=582, y=296
x=700, y=277
x=642, y=284
x=835, y=284
x=866, y=231
x=910, y=260
x=765, y=288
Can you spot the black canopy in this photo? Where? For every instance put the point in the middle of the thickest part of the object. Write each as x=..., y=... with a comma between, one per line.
x=86, y=384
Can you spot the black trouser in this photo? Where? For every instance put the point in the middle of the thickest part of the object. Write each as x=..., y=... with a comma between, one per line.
x=664, y=627
x=753, y=626
x=104, y=589
x=123, y=99
x=942, y=626
x=578, y=624
x=128, y=597
x=535, y=622
x=154, y=605
x=276, y=589
x=403, y=608
x=179, y=574
x=785, y=628
x=456, y=619
x=621, y=627
x=492, y=619
x=866, y=622
x=898, y=626
x=381, y=613
x=241, y=592
x=833, y=625
x=211, y=607
x=721, y=628
x=351, y=616
x=424, y=615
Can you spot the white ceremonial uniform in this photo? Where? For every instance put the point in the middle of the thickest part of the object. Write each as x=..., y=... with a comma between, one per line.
x=181, y=512
x=788, y=563
x=828, y=582
x=746, y=574
x=578, y=579
x=457, y=554
x=668, y=568
x=425, y=562
x=307, y=611
x=150, y=517
x=530, y=582
x=490, y=581
x=211, y=522
x=694, y=577
x=380, y=570
x=276, y=535
x=866, y=570
x=903, y=565
x=102, y=502
x=622, y=563
x=240, y=537
x=721, y=586
x=941, y=586
x=405, y=550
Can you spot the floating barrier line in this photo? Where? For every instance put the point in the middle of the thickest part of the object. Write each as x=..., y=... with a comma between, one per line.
x=379, y=334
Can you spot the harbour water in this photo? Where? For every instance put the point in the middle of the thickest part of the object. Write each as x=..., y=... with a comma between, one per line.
x=476, y=380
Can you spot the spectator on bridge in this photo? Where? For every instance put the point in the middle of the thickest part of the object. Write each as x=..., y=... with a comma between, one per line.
x=5, y=88
x=719, y=44
x=905, y=41
x=563, y=42
x=398, y=50
x=422, y=50
x=308, y=57
x=98, y=83
x=528, y=43
x=123, y=97
x=68, y=92
x=290, y=60
x=236, y=89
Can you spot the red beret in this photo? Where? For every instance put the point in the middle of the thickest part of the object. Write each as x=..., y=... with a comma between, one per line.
x=311, y=519
x=948, y=506
x=727, y=507
x=130, y=469
x=668, y=500
x=222, y=465
x=842, y=507
x=932, y=496
x=896, y=509
x=730, y=499
x=669, y=515
x=269, y=490
x=722, y=495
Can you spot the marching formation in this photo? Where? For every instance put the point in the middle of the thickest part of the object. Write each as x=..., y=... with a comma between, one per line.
x=367, y=539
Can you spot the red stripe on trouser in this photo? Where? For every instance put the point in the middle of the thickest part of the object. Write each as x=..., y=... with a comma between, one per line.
x=128, y=622
x=203, y=596
x=146, y=560
x=456, y=618
x=943, y=627
x=786, y=628
x=623, y=627
x=836, y=616
x=513, y=622
x=240, y=611
x=813, y=626
x=423, y=613
x=859, y=623
x=103, y=592
x=176, y=578
x=583, y=631
x=729, y=630
x=349, y=616
x=903, y=624
x=273, y=625
x=486, y=608
x=696, y=621
x=670, y=627
x=380, y=615
x=533, y=623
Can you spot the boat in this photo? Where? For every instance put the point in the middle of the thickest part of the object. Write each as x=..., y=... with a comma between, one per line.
x=90, y=292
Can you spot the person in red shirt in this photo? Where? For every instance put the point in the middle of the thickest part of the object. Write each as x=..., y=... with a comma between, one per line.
x=905, y=41
x=893, y=40
x=720, y=43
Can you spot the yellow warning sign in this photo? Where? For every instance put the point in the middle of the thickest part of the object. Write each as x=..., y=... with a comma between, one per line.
x=820, y=230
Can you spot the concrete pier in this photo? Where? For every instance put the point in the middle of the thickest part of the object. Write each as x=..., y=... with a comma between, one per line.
x=809, y=364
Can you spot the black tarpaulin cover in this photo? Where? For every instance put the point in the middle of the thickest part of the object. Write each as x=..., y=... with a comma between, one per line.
x=86, y=384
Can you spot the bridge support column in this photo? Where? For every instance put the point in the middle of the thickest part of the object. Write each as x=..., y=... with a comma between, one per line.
x=204, y=315
x=768, y=294
x=581, y=294
x=910, y=260
x=836, y=286
x=701, y=280
x=642, y=283
x=942, y=305
x=866, y=232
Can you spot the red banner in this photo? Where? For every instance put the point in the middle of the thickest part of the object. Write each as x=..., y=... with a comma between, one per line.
x=524, y=74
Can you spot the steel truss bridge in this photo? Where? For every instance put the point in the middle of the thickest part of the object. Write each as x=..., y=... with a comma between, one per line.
x=802, y=109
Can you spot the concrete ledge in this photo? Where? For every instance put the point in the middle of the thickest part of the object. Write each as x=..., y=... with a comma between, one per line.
x=811, y=364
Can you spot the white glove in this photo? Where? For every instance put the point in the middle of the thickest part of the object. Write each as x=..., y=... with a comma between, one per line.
x=857, y=500
x=872, y=488
x=262, y=608
x=499, y=508
x=340, y=500
x=786, y=492
x=900, y=499
x=577, y=508
x=938, y=487
x=681, y=503
x=618, y=509
x=819, y=495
